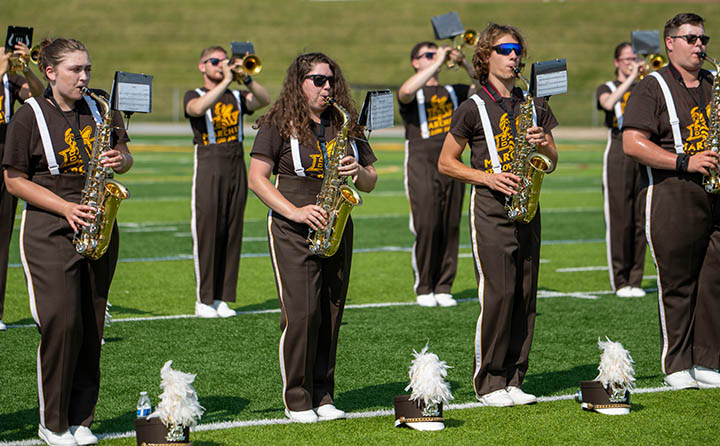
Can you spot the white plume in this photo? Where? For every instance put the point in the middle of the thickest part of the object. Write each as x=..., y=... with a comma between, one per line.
x=179, y=404
x=427, y=378
x=616, y=366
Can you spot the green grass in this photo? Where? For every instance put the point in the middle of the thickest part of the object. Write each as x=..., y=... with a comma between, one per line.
x=371, y=39
x=236, y=359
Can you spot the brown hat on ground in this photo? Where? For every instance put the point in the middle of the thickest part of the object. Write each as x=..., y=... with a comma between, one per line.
x=153, y=432
x=415, y=415
x=594, y=396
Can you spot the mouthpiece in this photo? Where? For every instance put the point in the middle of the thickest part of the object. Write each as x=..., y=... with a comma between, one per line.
x=84, y=90
x=702, y=55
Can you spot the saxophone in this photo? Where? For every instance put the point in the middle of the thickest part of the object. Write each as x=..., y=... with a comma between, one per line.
x=101, y=192
x=528, y=164
x=336, y=197
x=711, y=182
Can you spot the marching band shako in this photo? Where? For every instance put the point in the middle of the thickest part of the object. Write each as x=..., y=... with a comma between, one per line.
x=416, y=415
x=609, y=393
x=596, y=397
x=153, y=432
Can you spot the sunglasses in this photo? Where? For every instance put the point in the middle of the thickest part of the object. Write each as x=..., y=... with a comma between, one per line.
x=429, y=55
x=214, y=61
x=320, y=79
x=692, y=38
x=506, y=48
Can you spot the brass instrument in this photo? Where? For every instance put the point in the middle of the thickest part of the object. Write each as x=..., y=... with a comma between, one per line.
x=101, y=192
x=653, y=62
x=469, y=38
x=19, y=64
x=336, y=197
x=528, y=164
x=250, y=66
x=711, y=182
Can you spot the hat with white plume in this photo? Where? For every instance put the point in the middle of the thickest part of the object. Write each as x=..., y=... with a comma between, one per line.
x=609, y=393
x=422, y=409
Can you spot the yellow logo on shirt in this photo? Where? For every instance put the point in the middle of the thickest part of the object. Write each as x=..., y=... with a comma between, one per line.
x=2, y=109
x=72, y=161
x=623, y=103
x=225, y=123
x=318, y=163
x=505, y=144
x=699, y=131
x=439, y=115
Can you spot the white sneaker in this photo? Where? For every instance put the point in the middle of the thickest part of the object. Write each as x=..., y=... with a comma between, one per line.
x=445, y=300
x=681, y=380
x=202, y=310
x=3, y=327
x=626, y=291
x=705, y=377
x=56, y=439
x=83, y=435
x=426, y=300
x=519, y=397
x=302, y=416
x=328, y=412
x=223, y=310
x=498, y=398
x=637, y=292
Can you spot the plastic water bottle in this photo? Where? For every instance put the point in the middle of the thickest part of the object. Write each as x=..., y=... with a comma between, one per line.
x=143, y=405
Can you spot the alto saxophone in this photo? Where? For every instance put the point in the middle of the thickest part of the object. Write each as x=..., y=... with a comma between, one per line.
x=711, y=182
x=336, y=197
x=101, y=192
x=528, y=164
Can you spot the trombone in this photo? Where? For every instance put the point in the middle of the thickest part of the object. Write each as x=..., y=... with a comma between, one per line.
x=250, y=66
x=19, y=63
x=469, y=38
x=653, y=62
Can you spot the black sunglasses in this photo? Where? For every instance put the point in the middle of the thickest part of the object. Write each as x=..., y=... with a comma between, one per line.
x=692, y=38
x=213, y=60
x=429, y=55
x=506, y=48
x=320, y=79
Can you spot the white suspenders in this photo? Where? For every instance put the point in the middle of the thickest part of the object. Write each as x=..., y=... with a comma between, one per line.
x=45, y=136
x=297, y=162
x=672, y=112
x=618, y=107
x=422, y=113
x=489, y=136
x=6, y=100
x=209, y=121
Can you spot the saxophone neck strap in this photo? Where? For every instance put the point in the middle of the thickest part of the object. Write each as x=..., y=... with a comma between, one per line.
x=699, y=101
x=75, y=129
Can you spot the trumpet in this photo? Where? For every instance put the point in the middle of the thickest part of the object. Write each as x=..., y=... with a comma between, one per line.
x=469, y=38
x=653, y=62
x=250, y=65
x=19, y=63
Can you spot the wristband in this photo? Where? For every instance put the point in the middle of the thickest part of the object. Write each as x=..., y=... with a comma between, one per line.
x=247, y=80
x=681, y=162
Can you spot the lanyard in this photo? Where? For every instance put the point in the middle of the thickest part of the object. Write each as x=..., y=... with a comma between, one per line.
x=501, y=102
x=319, y=130
x=75, y=131
x=698, y=101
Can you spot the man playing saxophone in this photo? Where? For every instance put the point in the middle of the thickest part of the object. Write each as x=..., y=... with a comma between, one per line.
x=219, y=188
x=294, y=140
x=506, y=253
x=670, y=125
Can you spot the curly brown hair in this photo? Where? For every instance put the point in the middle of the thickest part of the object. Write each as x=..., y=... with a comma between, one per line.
x=484, y=47
x=290, y=113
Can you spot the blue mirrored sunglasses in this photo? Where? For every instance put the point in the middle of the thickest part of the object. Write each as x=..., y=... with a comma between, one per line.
x=506, y=48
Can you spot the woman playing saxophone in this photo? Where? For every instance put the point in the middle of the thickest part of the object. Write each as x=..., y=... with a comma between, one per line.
x=45, y=161
x=506, y=252
x=294, y=140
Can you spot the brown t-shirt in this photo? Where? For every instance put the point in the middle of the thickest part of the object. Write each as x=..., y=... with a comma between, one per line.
x=646, y=110
x=610, y=118
x=466, y=124
x=225, y=116
x=15, y=83
x=25, y=151
x=439, y=111
x=270, y=143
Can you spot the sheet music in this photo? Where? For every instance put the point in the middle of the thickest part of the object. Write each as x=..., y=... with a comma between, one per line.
x=551, y=83
x=381, y=111
x=133, y=97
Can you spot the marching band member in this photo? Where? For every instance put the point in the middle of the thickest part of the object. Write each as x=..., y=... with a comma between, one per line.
x=682, y=219
x=624, y=228
x=48, y=145
x=435, y=200
x=293, y=139
x=506, y=254
x=219, y=190
x=15, y=88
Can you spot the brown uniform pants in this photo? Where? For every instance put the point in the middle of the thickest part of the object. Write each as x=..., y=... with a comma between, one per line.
x=507, y=257
x=435, y=211
x=68, y=294
x=312, y=293
x=218, y=207
x=624, y=225
x=8, y=203
x=684, y=236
